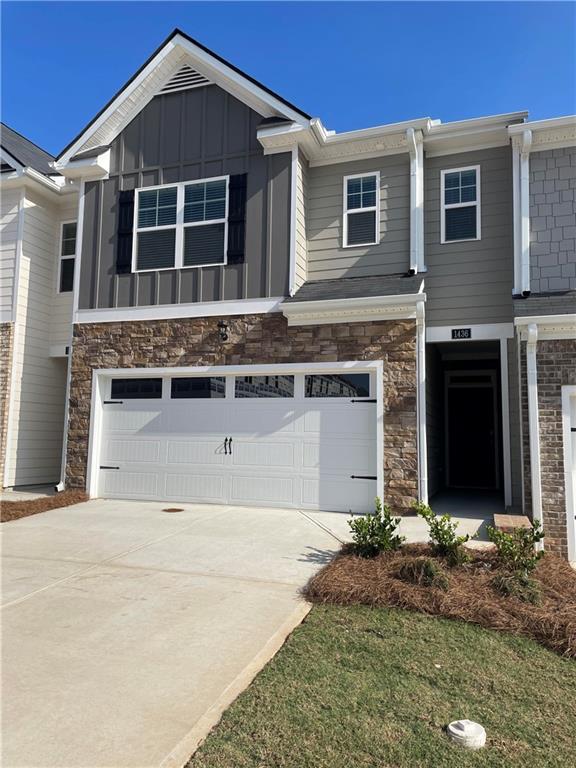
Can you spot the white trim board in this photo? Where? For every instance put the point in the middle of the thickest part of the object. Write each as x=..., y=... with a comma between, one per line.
x=484, y=332
x=101, y=375
x=178, y=311
x=354, y=310
x=549, y=326
x=568, y=392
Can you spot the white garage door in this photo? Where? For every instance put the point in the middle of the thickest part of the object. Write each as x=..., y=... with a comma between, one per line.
x=304, y=441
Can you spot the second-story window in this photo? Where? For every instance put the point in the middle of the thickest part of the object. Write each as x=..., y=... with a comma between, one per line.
x=67, y=257
x=181, y=225
x=361, y=215
x=460, y=204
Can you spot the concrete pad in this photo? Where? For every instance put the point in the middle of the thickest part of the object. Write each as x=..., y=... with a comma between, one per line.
x=126, y=630
x=27, y=492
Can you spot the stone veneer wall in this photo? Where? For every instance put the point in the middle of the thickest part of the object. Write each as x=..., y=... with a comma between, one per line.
x=556, y=363
x=256, y=339
x=6, y=342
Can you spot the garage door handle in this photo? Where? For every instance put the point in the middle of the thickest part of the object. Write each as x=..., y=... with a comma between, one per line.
x=225, y=446
x=363, y=477
x=230, y=445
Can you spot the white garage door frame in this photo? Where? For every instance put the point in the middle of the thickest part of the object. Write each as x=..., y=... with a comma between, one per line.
x=102, y=377
x=568, y=395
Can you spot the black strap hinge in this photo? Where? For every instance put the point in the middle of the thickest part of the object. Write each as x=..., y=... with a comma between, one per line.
x=113, y=402
x=363, y=477
x=106, y=467
x=363, y=401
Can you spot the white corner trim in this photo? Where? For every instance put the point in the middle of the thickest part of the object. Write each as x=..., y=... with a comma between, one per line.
x=568, y=392
x=421, y=403
x=534, y=426
x=505, y=409
x=293, y=202
x=178, y=311
x=549, y=326
x=356, y=310
x=483, y=332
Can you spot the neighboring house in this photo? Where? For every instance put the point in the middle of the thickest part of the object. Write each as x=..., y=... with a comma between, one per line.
x=38, y=246
x=267, y=312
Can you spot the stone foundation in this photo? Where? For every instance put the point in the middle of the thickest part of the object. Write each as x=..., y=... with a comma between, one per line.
x=6, y=343
x=256, y=339
x=556, y=364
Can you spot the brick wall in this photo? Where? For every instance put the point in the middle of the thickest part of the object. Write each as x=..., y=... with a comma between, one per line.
x=556, y=363
x=6, y=339
x=553, y=220
x=256, y=339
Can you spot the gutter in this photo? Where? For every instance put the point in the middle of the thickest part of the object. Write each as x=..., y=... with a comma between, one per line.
x=533, y=426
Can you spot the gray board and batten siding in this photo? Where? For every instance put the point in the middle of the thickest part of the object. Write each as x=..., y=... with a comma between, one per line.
x=183, y=136
x=471, y=282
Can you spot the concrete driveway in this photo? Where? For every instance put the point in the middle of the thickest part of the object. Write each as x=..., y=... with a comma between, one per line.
x=126, y=630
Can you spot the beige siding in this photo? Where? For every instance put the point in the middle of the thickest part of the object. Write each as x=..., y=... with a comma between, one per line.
x=8, y=239
x=37, y=400
x=471, y=282
x=301, y=204
x=326, y=256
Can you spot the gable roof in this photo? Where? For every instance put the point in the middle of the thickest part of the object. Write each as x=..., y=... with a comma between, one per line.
x=24, y=151
x=166, y=60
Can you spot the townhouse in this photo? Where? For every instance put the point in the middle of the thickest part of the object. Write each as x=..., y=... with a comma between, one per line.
x=269, y=312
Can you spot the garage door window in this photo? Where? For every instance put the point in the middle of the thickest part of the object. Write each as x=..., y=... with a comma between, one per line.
x=198, y=387
x=264, y=386
x=137, y=389
x=338, y=385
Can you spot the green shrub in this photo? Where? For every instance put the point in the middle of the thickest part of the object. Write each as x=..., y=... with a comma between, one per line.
x=516, y=550
x=375, y=532
x=517, y=585
x=423, y=571
x=443, y=535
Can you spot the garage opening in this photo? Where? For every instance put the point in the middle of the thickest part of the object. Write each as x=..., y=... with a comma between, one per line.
x=279, y=439
x=464, y=422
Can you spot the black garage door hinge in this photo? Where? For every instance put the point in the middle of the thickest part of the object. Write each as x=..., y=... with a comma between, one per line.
x=363, y=477
x=105, y=467
x=363, y=401
x=113, y=402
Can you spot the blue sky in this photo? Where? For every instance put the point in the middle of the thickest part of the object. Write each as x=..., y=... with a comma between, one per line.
x=352, y=64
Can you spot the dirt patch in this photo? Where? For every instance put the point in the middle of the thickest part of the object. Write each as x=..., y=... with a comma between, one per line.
x=470, y=594
x=14, y=510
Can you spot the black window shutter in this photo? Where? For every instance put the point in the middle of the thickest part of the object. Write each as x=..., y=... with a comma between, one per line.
x=236, y=218
x=125, y=231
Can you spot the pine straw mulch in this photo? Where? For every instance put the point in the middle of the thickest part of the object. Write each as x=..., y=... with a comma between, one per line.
x=14, y=510
x=470, y=596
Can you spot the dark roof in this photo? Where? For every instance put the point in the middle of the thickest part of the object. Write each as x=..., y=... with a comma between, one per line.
x=172, y=35
x=25, y=151
x=550, y=303
x=357, y=287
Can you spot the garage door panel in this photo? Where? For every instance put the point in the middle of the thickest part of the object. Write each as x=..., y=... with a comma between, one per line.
x=195, y=452
x=270, y=490
x=351, y=458
x=352, y=420
x=135, y=421
x=339, y=495
x=200, y=486
x=200, y=417
x=133, y=450
x=260, y=417
x=263, y=454
x=130, y=484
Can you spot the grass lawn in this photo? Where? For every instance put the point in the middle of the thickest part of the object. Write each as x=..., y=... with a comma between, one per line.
x=356, y=686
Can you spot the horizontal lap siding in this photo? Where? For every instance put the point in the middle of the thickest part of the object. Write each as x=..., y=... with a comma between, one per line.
x=471, y=282
x=8, y=240
x=326, y=256
x=37, y=400
x=184, y=136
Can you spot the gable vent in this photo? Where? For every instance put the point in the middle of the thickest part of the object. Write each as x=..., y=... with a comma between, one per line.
x=185, y=78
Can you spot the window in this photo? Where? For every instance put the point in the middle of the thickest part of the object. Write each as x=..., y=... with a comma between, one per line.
x=67, y=257
x=460, y=191
x=361, y=204
x=137, y=389
x=181, y=225
x=197, y=387
x=337, y=385
x=264, y=386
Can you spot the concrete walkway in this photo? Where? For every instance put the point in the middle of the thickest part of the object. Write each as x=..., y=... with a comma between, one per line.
x=126, y=630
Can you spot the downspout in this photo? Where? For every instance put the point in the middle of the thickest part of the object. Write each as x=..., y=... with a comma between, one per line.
x=416, y=152
x=421, y=402
x=533, y=426
x=516, y=218
x=525, y=212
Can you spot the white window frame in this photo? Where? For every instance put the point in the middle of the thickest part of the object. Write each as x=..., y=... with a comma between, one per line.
x=444, y=207
x=346, y=212
x=180, y=225
x=62, y=258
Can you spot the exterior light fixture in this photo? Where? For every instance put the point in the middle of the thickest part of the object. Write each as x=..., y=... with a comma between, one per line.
x=223, y=330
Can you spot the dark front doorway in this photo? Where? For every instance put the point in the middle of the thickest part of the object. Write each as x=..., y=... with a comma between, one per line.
x=464, y=417
x=471, y=430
